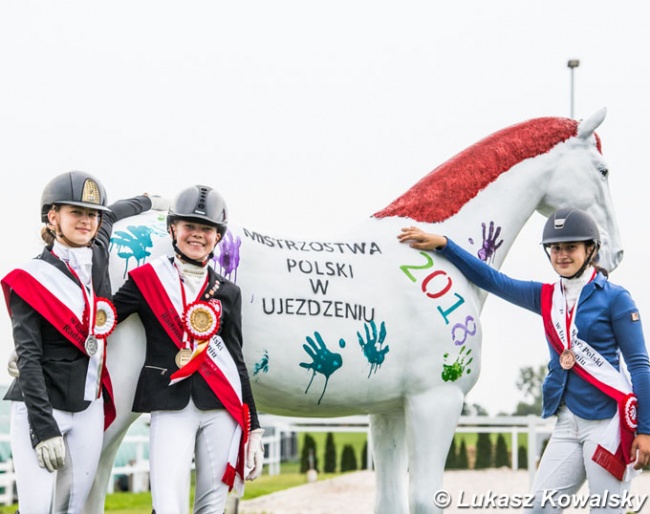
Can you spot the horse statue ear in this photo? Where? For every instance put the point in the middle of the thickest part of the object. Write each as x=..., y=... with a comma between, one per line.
x=588, y=126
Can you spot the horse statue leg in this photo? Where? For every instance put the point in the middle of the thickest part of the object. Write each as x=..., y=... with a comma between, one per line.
x=125, y=356
x=112, y=440
x=389, y=452
x=431, y=420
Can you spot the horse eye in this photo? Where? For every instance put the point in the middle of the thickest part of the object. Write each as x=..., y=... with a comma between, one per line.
x=604, y=172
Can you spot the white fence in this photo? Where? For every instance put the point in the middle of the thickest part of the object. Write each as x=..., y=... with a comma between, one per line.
x=278, y=427
x=535, y=428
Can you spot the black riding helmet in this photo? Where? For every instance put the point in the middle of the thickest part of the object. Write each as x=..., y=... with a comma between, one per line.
x=571, y=225
x=73, y=188
x=200, y=204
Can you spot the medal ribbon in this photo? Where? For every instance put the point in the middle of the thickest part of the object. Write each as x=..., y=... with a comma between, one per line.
x=97, y=359
x=614, y=453
x=54, y=296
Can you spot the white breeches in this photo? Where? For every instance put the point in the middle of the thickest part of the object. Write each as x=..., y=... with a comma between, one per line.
x=176, y=437
x=566, y=464
x=65, y=490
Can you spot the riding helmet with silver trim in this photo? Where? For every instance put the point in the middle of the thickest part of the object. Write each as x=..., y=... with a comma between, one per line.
x=569, y=224
x=201, y=204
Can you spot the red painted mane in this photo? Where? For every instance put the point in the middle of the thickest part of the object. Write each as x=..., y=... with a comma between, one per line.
x=441, y=194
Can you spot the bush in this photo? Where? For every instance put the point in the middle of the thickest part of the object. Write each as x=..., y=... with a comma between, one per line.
x=522, y=457
x=364, y=456
x=452, y=456
x=348, y=459
x=308, y=456
x=501, y=457
x=463, y=459
x=330, y=454
x=483, y=451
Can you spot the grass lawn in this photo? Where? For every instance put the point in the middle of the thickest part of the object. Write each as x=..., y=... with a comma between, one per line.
x=140, y=503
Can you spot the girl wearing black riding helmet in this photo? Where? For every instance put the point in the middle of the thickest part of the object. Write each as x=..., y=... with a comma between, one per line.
x=194, y=381
x=592, y=326
x=61, y=314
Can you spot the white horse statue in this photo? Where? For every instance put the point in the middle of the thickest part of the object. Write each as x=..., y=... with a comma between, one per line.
x=357, y=323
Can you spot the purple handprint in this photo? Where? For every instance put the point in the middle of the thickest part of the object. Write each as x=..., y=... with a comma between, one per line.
x=490, y=245
x=228, y=256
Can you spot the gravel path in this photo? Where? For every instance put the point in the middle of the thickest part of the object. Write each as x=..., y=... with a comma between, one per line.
x=353, y=493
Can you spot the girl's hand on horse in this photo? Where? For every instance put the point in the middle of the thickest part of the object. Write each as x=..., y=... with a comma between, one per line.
x=420, y=239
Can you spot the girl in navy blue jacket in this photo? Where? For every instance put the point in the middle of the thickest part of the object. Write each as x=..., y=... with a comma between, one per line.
x=603, y=430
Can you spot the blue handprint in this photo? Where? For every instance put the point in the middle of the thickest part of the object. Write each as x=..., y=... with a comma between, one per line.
x=323, y=361
x=490, y=245
x=372, y=345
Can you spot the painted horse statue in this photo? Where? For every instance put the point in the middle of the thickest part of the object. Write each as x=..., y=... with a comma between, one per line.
x=357, y=323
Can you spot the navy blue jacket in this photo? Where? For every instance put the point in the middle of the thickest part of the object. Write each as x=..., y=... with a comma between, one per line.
x=606, y=318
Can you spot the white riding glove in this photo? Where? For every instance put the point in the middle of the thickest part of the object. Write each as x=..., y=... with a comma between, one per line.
x=255, y=454
x=12, y=365
x=51, y=453
x=159, y=203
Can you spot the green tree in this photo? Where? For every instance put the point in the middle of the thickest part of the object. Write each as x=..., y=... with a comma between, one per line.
x=348, y=459
x=364, y=455
x=483, y=451
x=474, y=410
x=463, y=459
x=522, y=457
x=452, y=456
x=308, y=455
x=530, y=382
x=330, y=454
x=501, y=456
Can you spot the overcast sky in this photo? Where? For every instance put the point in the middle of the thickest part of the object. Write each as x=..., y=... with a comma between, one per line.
x=309, y=116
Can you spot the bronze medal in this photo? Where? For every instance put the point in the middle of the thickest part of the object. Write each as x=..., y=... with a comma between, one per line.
x=91, y=345
x=183, y=357
x=567, y=359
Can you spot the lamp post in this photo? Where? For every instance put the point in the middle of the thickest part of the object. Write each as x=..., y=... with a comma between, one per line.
x=572, y=64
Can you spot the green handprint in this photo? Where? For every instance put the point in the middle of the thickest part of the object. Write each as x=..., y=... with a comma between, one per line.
x=455, y=370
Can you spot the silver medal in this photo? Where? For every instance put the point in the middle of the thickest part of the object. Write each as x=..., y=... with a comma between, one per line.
x=91, y=345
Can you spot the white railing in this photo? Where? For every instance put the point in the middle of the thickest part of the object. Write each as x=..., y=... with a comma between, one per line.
x=530, y=425
x=138, y=468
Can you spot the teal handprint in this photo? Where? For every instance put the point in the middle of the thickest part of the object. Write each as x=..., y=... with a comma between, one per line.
x=372, y=345
x=323, y=361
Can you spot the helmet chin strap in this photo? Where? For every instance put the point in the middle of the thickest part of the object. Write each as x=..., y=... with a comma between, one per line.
x=584, y=266
x=184, y=257
x=61, y=236
x=189, y=260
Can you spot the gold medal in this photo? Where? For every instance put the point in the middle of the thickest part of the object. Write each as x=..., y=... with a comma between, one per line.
x=91, y=345
x=105, y=318
x=567, y=359
x=100, y=319
x=201, y=320
x=183, y=357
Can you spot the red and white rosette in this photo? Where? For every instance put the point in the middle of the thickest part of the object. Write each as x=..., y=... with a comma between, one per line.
x=629, y=411
x=202, y=319
x=105, y=318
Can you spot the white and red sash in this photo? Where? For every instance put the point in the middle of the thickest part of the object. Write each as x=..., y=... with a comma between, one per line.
x=158, y=282
x=61, y=301
x=613, y=453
